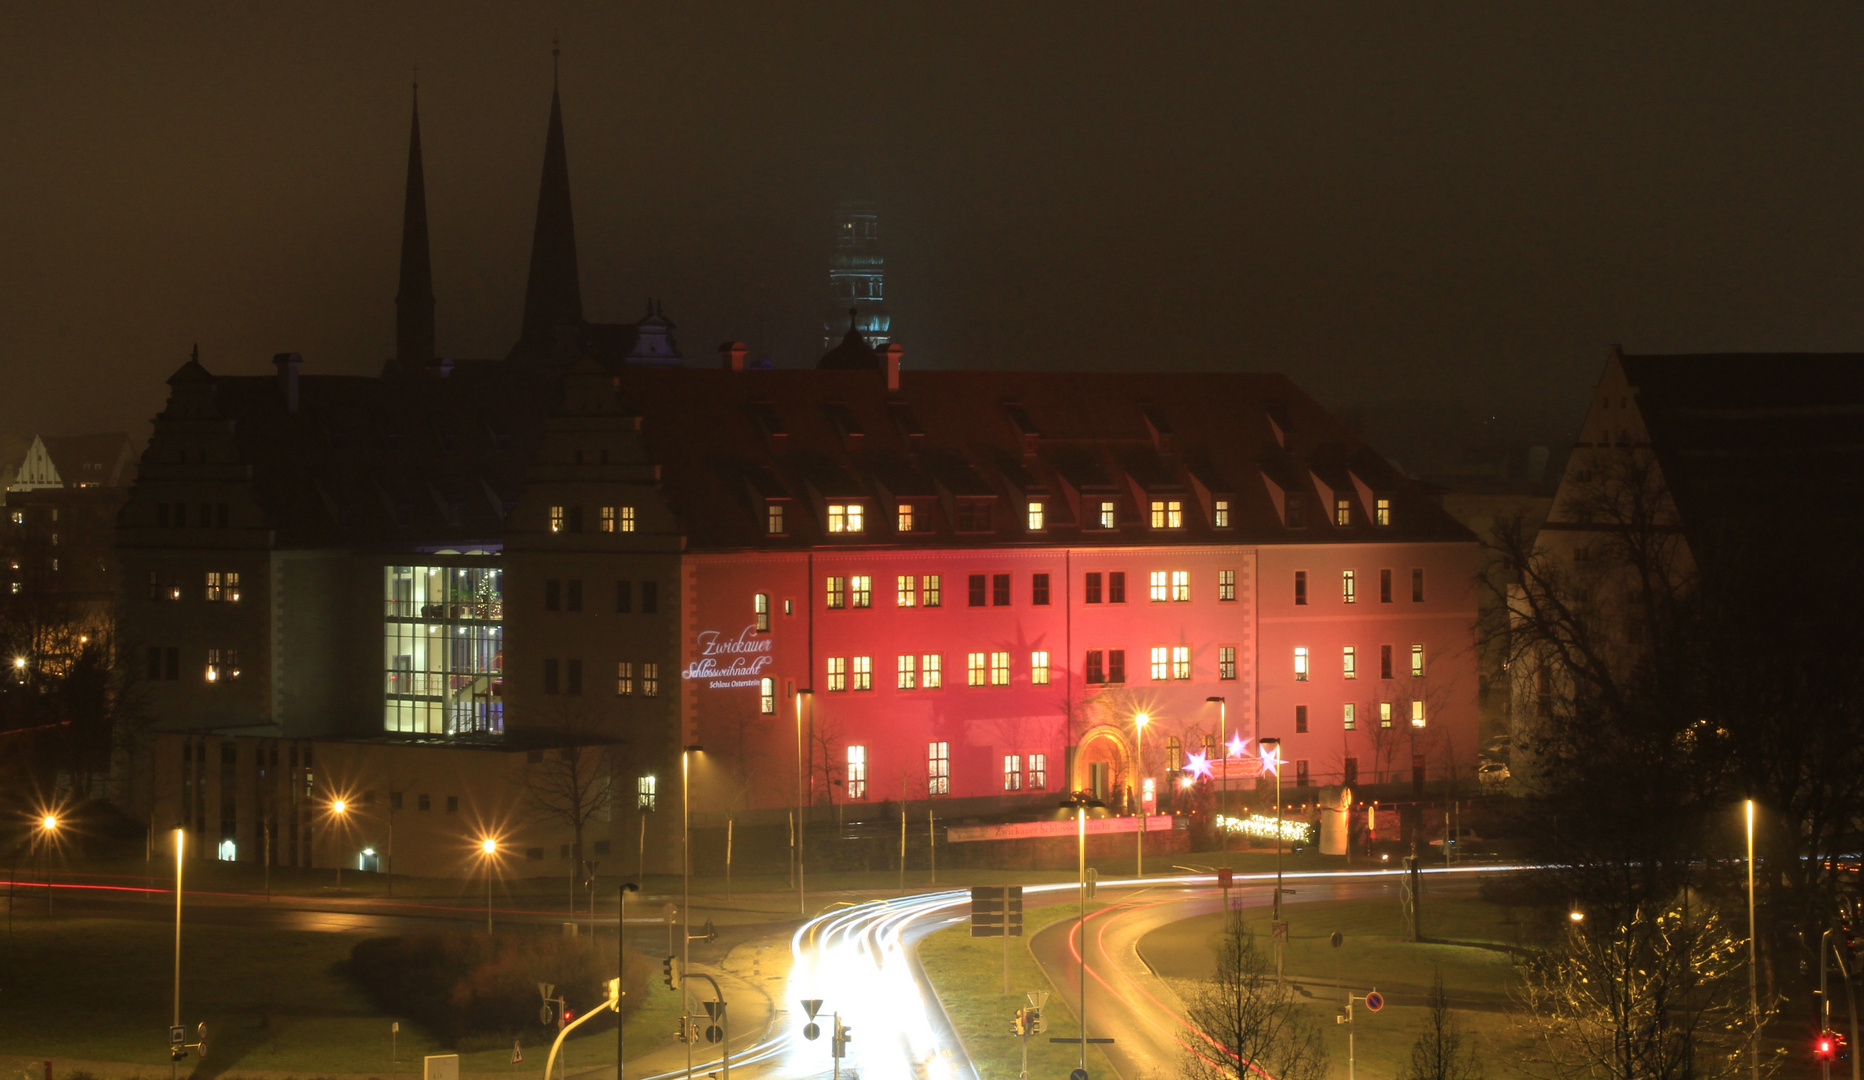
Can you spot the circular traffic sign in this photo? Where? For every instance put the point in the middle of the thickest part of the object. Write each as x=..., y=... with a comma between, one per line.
x=1338, y=939
x=714, y=1033
x=1078, y=1074
x=811, y=1031
x=545, y=1014
x=1375, y=1001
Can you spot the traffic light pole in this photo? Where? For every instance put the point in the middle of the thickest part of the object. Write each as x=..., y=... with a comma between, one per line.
x=1828, y=951
x=613, y=1002
x=724, y=1020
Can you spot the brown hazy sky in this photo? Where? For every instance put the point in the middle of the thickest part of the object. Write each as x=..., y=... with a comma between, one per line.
x=1427, y=214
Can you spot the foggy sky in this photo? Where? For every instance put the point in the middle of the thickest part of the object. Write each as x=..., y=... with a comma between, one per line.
x=1428, y=215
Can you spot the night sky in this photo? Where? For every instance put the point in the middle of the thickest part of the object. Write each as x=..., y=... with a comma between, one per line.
x=1428, y=215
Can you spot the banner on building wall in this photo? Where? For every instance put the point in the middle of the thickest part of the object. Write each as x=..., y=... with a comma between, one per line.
x=728, y=662
x=1027, y=830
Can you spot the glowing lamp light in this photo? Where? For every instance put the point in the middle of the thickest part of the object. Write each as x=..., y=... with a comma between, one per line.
x=49, y=822
x=489, y=846
x=1271, y=760
x=339, y=806
x=1577, y=916
x=368, y=851
x=1197, y=765
x=1237, y=746
x=19, y=663
x=1142, y=719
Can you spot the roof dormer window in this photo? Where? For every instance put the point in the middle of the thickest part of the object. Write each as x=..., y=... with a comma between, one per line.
x=1342, y=511
x=1167, y=514
x=847, y=518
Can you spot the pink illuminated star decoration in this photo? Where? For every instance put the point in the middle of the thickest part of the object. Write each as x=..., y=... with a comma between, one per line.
x=1237, y=746
x=1197, y=765
x=1271, y=760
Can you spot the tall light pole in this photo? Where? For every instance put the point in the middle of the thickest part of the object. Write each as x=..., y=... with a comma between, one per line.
x=621, y=965
x=488, y=850
x=1753, y=977
x=686, y=881
x=802, y=906
x=1139, y=768
x=174, y=1066
x=1271, y=759
x=47, y=826
x=1223, y=803
x=340, y=809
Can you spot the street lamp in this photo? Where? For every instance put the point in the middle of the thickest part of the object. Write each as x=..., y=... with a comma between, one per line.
x=488, y=850
x=1139, y=767
x=1080, y=806
x=47, y=826
x=340, y=807
x=621, y=964
x=686, y=879
x=1223, y=722
x=180, y=838
x=802, y=907
x=1271, y=760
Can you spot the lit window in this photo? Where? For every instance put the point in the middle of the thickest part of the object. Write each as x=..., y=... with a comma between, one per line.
x=857, y=772
x=999, y=669
x=974, y=669
x=1226, y=584
x=1349, y=662
x=1012, y=772
x=1349, y=586
x=760, y=610
x=1349, y=721
x=836, y=590
x=863, y=673
x=773, y=519
x=1382, y=512
x=1160, y=587
x=1109, y=515
x=1174, y=753
x=1167, y=514
x=1035, y=516
x=1300, y=665
x=1181, y=662
x=1342, y=511
x=1385, y=714
x=1300, y=587
x=624, y=679
x=906, y=591
x=931, y=673
x=213, y=584
x=557, y=519
x=908, y=673
x=627, y=518
x=1417, y=661
x=938, y=768
x=929, y=596
x=1180, y=586
x=607, y=522
x=1226, y=662
x=846, y=518
x=1161, y=663
x=1039, y=668
x=1220, y=514
x=1038, y=772
x=1417, y=713
x=767, y=696
x=837, y=673
x=862, y=589
x=650, y=679
x=903, y=517
x=643, y=793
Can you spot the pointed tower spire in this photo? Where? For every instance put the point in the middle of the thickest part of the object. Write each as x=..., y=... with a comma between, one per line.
x=414, y=301
x=553, y=294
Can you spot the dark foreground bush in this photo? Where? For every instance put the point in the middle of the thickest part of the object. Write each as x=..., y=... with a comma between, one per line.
x=460, y=984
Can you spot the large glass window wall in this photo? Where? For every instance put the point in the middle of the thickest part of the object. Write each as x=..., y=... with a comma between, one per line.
x=444, y=650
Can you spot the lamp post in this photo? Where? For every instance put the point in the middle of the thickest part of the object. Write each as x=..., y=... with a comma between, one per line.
x=1271, y=759
x=802, y=906
x=686, y=883
x=47, y=826
x=340, y=809
x=1139, y=767
x=1223, y=800
x=621, y=965
x=180, y=838
x=488, y=850
x=1753, y=977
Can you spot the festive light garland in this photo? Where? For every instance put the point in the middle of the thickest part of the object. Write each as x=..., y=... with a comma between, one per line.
x=1265, y=826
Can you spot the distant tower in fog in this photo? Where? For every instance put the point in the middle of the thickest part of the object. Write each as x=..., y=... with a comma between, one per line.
x=856, y=274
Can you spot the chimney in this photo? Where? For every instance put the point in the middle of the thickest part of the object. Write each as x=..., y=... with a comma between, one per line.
x=890, y=357
x=288, y=364
x=731, y=355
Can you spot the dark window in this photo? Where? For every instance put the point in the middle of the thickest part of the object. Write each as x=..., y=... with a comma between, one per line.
x=1096, y=671
x=535, y=757
x=1417, y=586
x=155, y=662
x=534, y=854
x=624, y=597
x=1000, y=590
x=426, y=801
x=573, y=681
x=1093, y=589
x=1300, y=586
x=1297, y=512
x=1116, y=665
x=394, y=800
x=572, y=595
x=650, y=597
x=1417, y=773
x=171, y=664
x=1038, y=590
x=161, y=515
x=453, y=804
x=1116, y=587
x=550, y=676
x=973, y=516
x=1385, y=661
x=574, y=523
x=1300, y=719
x=553, y=595
x=1385, y=586
x=601, y=847
x=977, y=590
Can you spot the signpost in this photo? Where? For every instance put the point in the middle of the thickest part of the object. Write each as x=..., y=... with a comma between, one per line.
x=1374, y=1001
x=997, y=911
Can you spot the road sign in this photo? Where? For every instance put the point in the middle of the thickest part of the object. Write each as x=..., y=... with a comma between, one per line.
x=714, y=1033
x=1375, y=1001
x=517, y=1052
x=811, y=1031
x=996, y=909
x=812, y=1006
x=1093, y=879
x=545, y=1013
x=1038, y=998
x=1078, y=1074
x=1338, y=939
x=1278, y=929
x=546, y=990
x=177, y=1036
x=1225, y=876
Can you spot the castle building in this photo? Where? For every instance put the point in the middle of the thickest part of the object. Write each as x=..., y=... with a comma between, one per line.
x=854, y=585
x=857, y=273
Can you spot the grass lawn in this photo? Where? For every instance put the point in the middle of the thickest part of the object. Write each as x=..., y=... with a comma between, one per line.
x=969, y=975
x=99, y=990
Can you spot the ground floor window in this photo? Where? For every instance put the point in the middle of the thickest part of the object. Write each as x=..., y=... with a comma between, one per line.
x=443, y=650
x=857, y=772
x=1038, y=772
x=938, y=768
x=1012, y=772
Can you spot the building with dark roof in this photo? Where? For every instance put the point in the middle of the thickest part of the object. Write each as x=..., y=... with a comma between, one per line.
x=867, y=583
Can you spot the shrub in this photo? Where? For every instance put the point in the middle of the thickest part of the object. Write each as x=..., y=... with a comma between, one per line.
x=459, y=984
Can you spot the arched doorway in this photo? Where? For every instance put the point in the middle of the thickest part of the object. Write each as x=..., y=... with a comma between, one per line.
x=1103, y=763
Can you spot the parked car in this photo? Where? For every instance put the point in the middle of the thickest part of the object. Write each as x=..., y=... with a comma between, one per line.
x=1492, y=774
x=1459, y=838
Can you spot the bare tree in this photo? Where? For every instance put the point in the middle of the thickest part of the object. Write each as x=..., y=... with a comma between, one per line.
x=1442, y=1050
x=571, y=785
x=1252, y=1023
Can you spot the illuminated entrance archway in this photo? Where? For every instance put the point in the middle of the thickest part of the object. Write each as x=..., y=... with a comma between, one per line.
x=1103, y=763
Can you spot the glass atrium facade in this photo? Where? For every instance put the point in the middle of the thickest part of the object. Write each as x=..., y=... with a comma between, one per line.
x=444, y=650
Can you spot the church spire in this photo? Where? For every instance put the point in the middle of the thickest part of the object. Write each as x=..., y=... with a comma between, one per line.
x=553, y=294
x=414, y=301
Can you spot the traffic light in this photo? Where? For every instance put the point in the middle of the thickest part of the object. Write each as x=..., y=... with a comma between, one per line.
x=614, y=994
x=568, y=1015
x=1019, y=1024
x=1036, y=1023
x=1825, y=1047
x=670, y=972
x=843, y=1036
